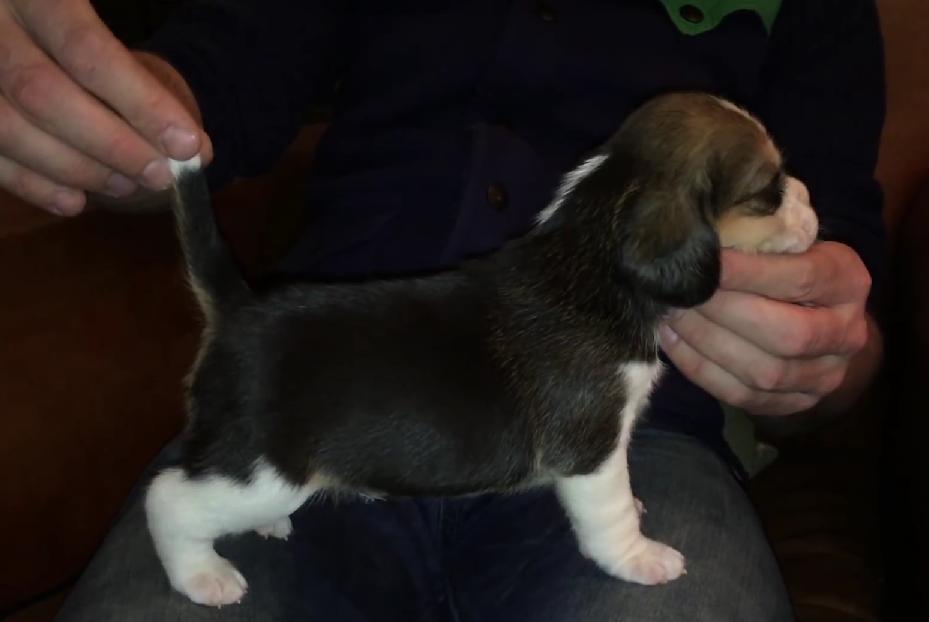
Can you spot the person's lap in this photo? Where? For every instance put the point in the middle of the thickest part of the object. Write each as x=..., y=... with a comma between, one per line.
x=475, y=559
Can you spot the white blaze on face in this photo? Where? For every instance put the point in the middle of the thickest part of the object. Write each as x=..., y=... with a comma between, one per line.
x=725, y=103
x=792, y=228
x=799, y=224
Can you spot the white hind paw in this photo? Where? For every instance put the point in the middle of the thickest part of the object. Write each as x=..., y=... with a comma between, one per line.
x=279, y=529
x=654, y=564
x=212, y=581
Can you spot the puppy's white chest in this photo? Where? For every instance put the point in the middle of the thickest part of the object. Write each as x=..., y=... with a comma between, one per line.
x=639, y=379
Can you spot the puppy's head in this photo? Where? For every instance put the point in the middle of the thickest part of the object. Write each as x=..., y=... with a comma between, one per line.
x=685, y=175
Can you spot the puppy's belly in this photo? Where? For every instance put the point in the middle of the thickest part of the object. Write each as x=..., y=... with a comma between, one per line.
x=418, y=459
x=406, y=448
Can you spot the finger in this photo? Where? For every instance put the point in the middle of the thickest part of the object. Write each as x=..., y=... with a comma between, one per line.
x=32, y=148
x=171, y=79
x=48, y=98
x=38, y=190
x=754, y=367
x=724, y=386
x=828, y=273
x=779, y=328
x=90, y=54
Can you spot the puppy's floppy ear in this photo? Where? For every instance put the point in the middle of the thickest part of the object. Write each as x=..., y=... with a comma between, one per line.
x=668, y=248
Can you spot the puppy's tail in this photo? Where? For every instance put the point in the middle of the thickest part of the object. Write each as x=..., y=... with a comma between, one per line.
x=214, y=275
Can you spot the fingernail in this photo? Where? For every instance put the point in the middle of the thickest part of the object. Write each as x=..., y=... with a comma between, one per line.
x=119, y=186
x=180, y=144
x=667, y=336
x=67, y=202
x=157, y=174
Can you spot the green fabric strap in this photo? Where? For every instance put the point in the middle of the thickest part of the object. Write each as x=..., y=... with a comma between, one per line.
x=694, y=17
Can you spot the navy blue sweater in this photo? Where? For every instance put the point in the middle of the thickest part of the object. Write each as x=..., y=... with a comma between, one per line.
x=452, y=120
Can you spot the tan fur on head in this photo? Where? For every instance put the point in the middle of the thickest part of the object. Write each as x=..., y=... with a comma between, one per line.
x=792, y=228
x=685, y=175
x=707, y=146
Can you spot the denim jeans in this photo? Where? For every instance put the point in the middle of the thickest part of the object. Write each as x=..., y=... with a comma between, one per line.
x=484, y=558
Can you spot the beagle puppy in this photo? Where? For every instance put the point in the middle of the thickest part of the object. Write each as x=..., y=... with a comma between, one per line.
x=526, y=367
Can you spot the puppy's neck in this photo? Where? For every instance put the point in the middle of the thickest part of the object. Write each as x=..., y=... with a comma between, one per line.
x=580, y=271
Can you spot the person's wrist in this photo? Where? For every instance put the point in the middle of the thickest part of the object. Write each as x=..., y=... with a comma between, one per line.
x=862, y=368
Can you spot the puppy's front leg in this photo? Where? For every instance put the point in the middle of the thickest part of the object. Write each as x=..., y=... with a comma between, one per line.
x=605, y=518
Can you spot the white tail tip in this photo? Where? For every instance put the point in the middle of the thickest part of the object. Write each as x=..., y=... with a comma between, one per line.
x=179, y=167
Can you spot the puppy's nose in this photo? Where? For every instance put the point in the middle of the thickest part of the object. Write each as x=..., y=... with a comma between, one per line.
x=811, y=225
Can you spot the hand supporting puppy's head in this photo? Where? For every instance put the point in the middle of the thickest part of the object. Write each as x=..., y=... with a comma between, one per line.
x=686, y=175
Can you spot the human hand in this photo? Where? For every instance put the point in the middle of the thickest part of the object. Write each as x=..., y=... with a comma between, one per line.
x=79, y=112
x=780, y=333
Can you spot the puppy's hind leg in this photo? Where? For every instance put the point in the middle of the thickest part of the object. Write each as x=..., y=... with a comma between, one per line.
x=185, y=515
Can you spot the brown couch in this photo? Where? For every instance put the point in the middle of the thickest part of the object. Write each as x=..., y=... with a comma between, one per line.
x=98, y=329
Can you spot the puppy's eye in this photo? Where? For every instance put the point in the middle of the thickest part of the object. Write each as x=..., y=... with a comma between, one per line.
x=766, y=200
x=774, y=192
